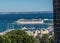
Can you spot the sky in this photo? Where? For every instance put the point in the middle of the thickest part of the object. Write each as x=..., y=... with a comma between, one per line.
x=25, y=5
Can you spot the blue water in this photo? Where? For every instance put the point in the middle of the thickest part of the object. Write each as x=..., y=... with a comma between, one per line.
x=6, y=19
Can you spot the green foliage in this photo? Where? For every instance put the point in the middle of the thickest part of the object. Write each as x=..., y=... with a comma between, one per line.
x=44, y=39
x=17, y=36
x=2, y=39
x=51, y=40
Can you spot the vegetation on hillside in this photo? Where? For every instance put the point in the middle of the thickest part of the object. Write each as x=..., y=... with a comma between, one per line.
x=19, y=36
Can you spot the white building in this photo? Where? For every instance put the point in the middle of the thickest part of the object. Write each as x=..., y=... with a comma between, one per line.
x=44, y=31
x=37, y=32
x=33, y=33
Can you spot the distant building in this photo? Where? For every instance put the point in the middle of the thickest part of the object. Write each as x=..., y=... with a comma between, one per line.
x=33, y=33
x=44, y=31
x=37, y=32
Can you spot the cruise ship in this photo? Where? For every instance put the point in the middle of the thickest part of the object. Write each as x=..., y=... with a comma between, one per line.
x=29, y=21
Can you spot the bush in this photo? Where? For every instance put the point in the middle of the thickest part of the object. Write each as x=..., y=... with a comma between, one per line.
x=17, y=36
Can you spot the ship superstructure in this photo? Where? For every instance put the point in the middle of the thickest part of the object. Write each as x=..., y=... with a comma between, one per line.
x=30, y=21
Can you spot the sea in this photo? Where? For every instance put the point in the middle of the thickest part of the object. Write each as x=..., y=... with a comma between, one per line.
x=7, y=20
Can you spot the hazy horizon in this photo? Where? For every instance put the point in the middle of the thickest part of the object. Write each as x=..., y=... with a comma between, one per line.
x=26, y=5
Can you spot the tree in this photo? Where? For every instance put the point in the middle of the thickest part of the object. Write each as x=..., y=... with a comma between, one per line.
x=51, y=40
x=2, y=39
x=44, y=39
x=19, y=36
x=7, y=40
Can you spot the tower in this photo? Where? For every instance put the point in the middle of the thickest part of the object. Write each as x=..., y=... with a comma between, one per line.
x=56, y=7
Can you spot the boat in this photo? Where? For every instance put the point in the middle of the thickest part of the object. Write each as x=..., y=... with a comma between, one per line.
x=29, y=21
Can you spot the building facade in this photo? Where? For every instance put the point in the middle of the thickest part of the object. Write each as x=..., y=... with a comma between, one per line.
x=56, y=6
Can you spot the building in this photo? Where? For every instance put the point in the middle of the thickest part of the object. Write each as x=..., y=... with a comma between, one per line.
x=35, y=33
x=56, y=5
x=44, y=31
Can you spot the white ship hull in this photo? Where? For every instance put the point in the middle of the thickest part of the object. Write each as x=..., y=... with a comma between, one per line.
x=34, y=21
